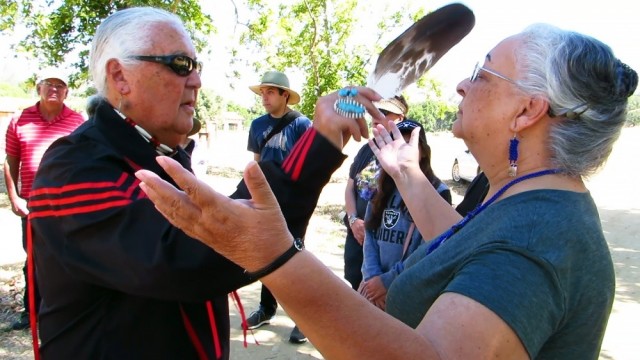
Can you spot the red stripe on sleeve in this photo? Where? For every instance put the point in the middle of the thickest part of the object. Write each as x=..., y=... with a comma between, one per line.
x=95, y=196
x=301, y=159
x=81, y=209
x=288, y=162
x=78, y=198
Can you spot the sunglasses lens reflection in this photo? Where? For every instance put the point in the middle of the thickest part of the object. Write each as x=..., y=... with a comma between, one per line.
x=181, y=65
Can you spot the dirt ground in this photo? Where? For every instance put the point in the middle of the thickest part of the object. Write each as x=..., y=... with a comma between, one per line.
x=613, y=190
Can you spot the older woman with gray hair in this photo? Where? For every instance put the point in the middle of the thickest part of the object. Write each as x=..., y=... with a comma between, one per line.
x=527, y=274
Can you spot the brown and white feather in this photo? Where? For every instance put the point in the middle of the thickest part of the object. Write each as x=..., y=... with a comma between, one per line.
x=419, y=47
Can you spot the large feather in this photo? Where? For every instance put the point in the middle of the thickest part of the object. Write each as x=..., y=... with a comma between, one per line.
x=417, y=49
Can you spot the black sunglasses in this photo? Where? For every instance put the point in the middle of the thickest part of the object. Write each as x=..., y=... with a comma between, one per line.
x=180, y=64
x=384, y=112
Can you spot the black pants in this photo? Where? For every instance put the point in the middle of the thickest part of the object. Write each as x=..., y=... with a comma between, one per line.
x=352, y=261
x=268, y=301
x=26, y=274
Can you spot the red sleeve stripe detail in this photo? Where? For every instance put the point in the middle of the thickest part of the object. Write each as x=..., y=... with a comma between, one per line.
x=81, y=209
x=133, y=165
x=301, y=159
x=132, y=188
x=214, y=330
x=97, y=196
x=197, y=344
x=80, y=186
x=142, y=195
x=296, y=160
x=79, y=198
x=288, y=162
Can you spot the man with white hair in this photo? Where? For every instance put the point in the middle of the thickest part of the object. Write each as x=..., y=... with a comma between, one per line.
x=119, y=281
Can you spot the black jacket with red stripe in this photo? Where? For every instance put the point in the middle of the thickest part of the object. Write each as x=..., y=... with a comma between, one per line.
x=118, y=281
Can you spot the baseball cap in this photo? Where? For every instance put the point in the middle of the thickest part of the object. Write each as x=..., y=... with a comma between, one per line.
x=406, y=126
x=52, y=73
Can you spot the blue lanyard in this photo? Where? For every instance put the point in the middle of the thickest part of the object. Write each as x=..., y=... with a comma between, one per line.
x=454, y=229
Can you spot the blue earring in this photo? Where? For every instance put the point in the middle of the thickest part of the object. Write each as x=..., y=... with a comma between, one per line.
x=513, y=156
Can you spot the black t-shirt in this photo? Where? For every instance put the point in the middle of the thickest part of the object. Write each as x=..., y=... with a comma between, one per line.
x=474, y=195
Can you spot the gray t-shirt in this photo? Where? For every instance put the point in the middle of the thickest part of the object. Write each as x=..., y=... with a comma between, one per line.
x=538, y=260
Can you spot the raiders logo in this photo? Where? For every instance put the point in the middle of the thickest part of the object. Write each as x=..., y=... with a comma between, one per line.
x=390, y=218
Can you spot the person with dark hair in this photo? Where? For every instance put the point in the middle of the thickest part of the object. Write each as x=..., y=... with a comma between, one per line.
x=474, y=195
x=527, y=275
x=272, y=136
x=361, y=187
x=391, y=235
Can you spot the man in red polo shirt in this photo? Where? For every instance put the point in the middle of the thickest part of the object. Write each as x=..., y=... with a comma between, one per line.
x=28, y=137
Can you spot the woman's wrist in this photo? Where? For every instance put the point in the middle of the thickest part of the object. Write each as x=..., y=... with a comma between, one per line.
x=296, y=247
x=408, y=175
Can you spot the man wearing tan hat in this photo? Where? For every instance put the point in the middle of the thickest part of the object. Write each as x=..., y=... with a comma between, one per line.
x=273, y=134
x=271, y=137
x=27, y=138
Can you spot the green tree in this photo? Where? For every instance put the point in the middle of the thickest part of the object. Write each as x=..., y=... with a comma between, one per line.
x=433, y=114
x=13, y=91
x=247, y=113
x=320, y=39
x=209, y=105
x=60, y=30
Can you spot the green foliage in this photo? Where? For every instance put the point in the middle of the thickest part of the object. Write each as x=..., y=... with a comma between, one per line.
x=434, y=115
x=633, y=111
x=319, y=39
x=64, y=29
x=8, y=90
x=208, y=106
x=247, y=113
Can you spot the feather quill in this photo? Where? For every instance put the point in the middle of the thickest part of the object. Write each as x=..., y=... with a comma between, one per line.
x=418, y=48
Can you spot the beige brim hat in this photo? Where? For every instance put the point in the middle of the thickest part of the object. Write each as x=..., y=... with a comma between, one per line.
x=278, y=80
x=294, y=97
x=391, y=105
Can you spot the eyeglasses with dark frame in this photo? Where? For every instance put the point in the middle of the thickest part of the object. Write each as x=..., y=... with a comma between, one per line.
x=478, y=68
x=182, y=65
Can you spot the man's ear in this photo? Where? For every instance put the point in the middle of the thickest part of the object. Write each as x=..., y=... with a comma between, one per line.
x=531, y=113
x=116, y=77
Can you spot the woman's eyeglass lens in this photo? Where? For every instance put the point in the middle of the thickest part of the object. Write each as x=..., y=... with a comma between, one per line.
x=478, y=68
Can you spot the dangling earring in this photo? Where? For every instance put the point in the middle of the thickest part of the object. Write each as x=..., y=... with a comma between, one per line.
x=513, y=156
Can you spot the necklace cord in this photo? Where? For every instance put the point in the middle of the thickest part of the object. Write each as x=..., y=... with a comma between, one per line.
x=161, y=148
x=459, y=225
